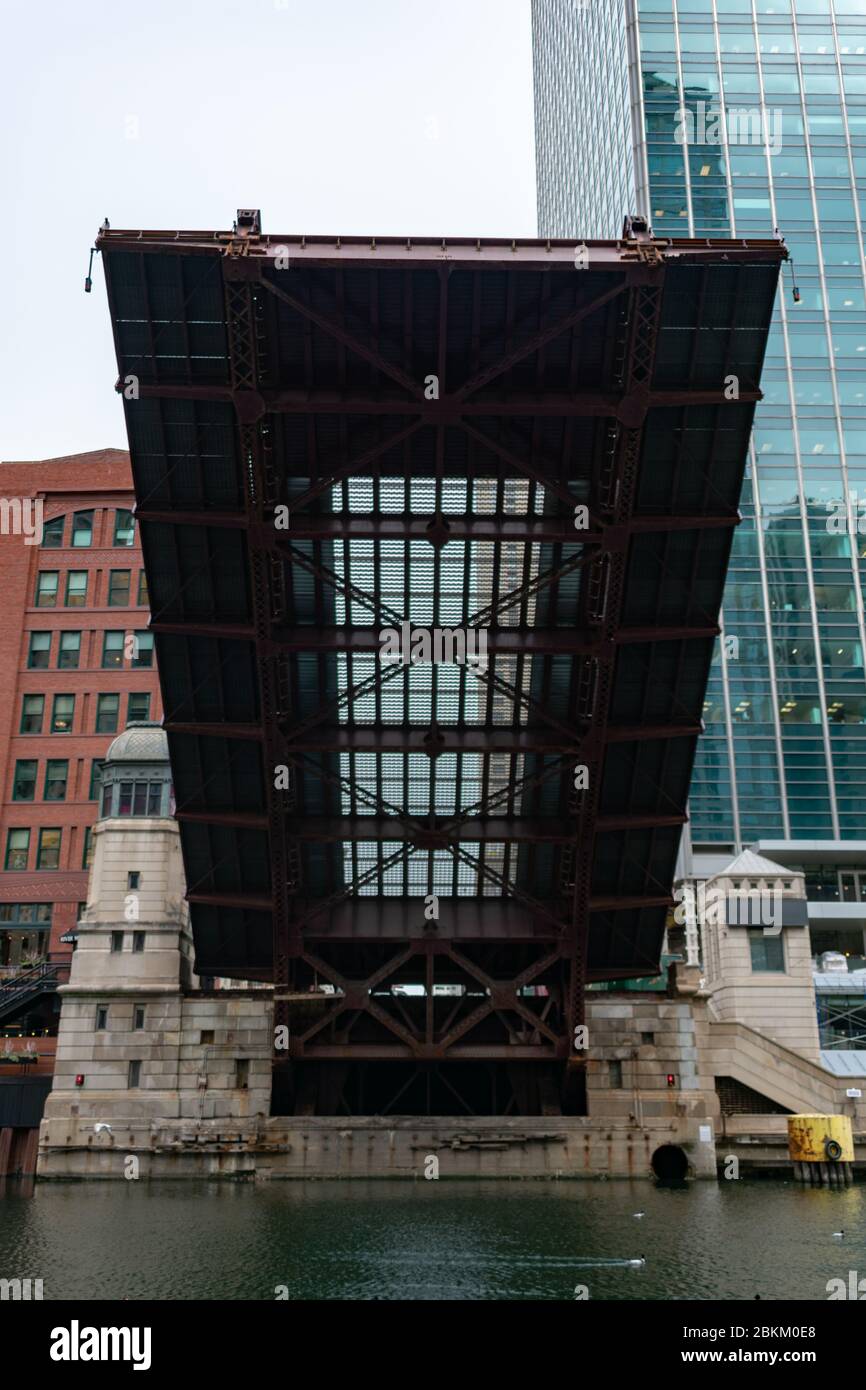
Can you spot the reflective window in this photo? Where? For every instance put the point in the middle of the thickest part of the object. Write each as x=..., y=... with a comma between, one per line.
x=52, y=533
x=39, y=650
x=32, y=713
x=107, y=710
x=17, y=849
x=118, y=589
x=112, y=649
x=124, y=528
x=76, y=588
x=82, y=529
x=62, y=714
x=46, y=588
x=24, y=781
x=48, y=851
x=56, y=778
x=69, y=651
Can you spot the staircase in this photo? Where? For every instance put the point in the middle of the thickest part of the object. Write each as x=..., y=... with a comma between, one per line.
x=785, y=1077
x=24, y=988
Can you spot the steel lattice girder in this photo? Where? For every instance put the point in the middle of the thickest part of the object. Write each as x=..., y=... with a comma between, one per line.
x=259, y=388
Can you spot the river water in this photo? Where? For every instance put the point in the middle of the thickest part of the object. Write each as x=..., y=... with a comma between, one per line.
x=430, y=1240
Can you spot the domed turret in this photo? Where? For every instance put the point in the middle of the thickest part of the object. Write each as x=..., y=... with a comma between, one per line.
x=136, y=774
x=141, y=742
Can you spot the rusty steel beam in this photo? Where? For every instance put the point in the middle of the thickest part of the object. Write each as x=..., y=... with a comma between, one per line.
x=247, y=732
x=495, y=829
x=464, y=253
x=448, y=410
x=538, y=340
x=333, y=526
x=238, y=820
x=351, y=341
x=509, y=641
x=483, y=739
x=228, y=632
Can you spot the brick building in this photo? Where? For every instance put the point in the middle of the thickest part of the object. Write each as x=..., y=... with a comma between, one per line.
x=76, y=666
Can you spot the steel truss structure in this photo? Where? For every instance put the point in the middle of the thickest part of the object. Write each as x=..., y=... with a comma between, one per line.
x=335, y=437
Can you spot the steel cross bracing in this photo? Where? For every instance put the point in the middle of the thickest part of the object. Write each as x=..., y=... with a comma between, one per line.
x=600, y=610
x=410, y=785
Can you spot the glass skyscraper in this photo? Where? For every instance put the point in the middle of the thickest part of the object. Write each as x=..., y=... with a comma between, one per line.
x=747, y=117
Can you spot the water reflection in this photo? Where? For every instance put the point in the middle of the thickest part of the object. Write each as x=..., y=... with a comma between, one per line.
x=430, y=1240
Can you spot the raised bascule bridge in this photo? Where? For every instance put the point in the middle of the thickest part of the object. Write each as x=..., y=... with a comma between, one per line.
x=524, y=451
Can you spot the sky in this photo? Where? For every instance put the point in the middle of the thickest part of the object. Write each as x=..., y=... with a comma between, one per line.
x=379, y=117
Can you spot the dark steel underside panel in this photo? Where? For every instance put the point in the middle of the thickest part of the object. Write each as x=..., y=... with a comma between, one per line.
x=434, y=416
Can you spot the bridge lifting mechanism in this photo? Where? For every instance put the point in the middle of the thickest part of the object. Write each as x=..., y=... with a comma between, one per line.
x=433, y=862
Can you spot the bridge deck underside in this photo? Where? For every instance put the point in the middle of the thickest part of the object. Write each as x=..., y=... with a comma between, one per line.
x=432, y=859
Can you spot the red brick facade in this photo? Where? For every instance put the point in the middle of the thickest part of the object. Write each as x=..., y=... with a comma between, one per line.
x=99, y=482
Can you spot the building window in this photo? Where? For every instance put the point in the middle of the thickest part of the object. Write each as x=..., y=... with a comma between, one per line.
x=118, y=589
x=614, y=1075
x=52, y=533
x=143, y=597
x=138, y=1018
x=82, y=529
x=138, y=707
x=56, y=778
x=87, y=856
x=17, y=849
x=107, y=709
x=142, y=651
x=242, y=1073
x=206, y=1038
x=124, y=527
x=25, y=914
x=95, y=779
x=48, y=851
x=101, y=1017
x=135, y=799
x=70, y=650
x=112, y=650
x=116, y=941
x=62, y=714
x=46, y=588
x=133, y=879
x=138, y=942
x=768, y=952
x=134, y=1077
x=76, y=588
x=39, y=651
x=32, y=714
x=24, y=781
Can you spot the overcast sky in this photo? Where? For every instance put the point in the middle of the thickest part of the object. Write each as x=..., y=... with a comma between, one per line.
x=388, y=117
